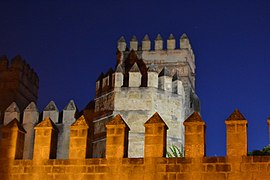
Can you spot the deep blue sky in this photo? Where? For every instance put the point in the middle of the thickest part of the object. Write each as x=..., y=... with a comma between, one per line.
x=69, y=43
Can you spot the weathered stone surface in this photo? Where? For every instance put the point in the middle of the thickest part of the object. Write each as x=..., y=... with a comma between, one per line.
x=236, y=115
x=51, y=111
x=11, y=112
x=30, y=119
x=236, y=134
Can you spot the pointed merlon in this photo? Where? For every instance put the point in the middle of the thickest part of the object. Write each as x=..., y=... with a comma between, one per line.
x=117, y=120
x=152, y=68
x=158, y=37
x=119, y=69
x=155, y=119
x=165, y=72
x=80, y=122
x=14, y=124
x=101, y=76
x=70, y=106
x=184, y=36
x=47, y=122
x=236, y=115
x=51, y=107
x=176, y=76
x=171, y=37
x=13, y=107
x=134, y=68
x=31, y=107
x=194, y=117
x=146, y=38
x=122, y=39
x=134, y=38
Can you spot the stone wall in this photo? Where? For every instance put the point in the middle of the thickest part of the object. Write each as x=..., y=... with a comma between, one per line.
x=154, y=165
x=18, y=83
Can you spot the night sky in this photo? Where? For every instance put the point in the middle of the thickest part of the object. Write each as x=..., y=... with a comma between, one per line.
x=69, y=43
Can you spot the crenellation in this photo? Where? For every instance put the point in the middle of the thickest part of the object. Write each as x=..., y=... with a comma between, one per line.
x=19, y=83
x=165, y=80
x=99, y=84
x=158, y=43
x=152, y=73
x=134, y=43
x=30, y=120
x=184, y=42
x=121, y=44
x=171, y=42
x=118, y=77
x=45, y=145
x=51, y=111
x=153, y=165
x=146, y=43
x=177, y=86
x=134, y=76
x=143, y=87
x=12, y=112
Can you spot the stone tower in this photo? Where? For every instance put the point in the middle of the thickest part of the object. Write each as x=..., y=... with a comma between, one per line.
x=145, y=81
x=18, y=83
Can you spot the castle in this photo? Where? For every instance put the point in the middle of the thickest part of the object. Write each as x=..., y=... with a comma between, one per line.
x=148, y=102
x=145, y=80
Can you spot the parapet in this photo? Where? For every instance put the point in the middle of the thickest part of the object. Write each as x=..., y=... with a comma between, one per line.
x=158, y=43
x=194, y=165
x=136, y=77
x=19, y=66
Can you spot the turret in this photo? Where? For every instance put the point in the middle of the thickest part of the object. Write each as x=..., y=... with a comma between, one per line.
x=122, y=44
x=146, y=43
x=158, y=43
x=171, y=42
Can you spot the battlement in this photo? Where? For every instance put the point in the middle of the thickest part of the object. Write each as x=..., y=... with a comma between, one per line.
x=157, y=45
x=118, y=78
x=195, y=165
x=18, y=83
x=19, y=67
x=30, y=117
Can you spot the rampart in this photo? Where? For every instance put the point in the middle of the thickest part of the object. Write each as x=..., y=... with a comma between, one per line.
x=154, y=165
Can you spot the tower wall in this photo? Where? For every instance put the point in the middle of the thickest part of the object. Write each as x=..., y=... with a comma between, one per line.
x=18, y=83
x=148, y=86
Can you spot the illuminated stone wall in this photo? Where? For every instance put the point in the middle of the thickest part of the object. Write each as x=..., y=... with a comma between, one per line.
x=116, y=165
